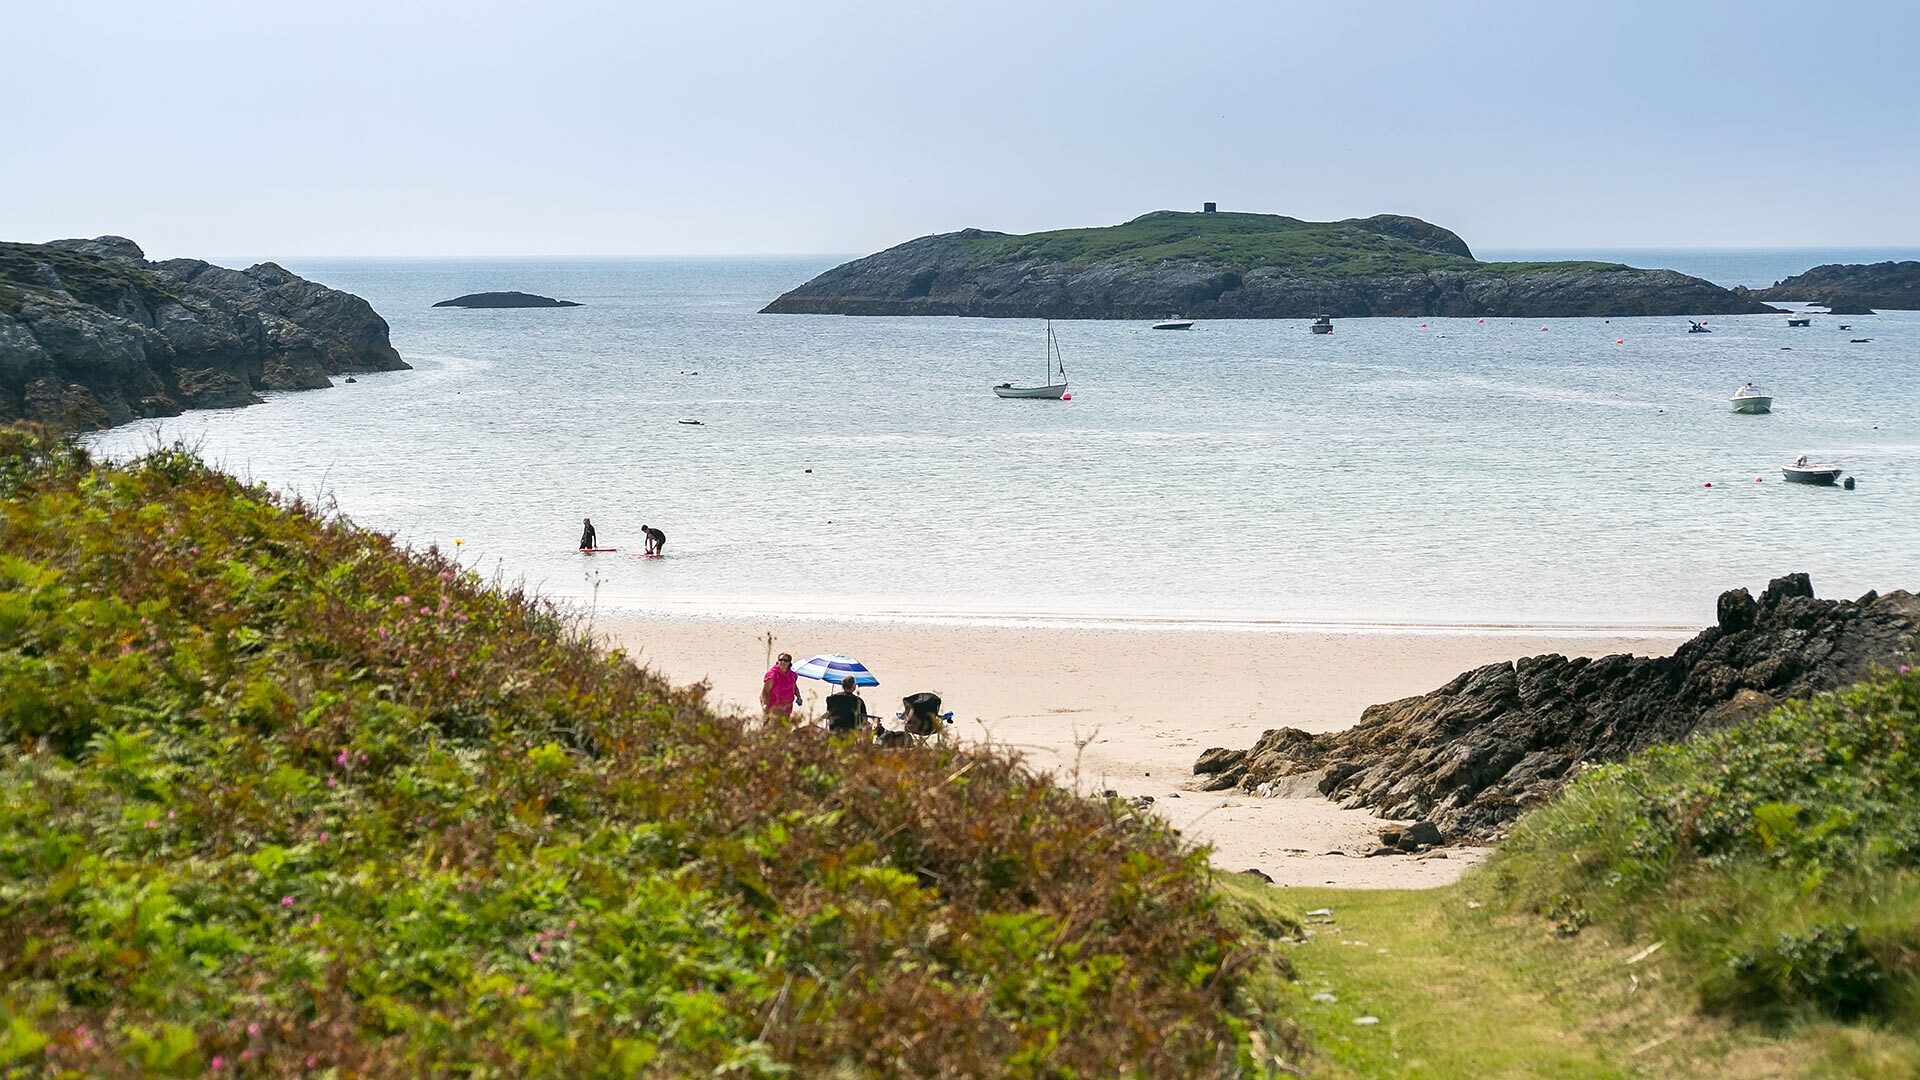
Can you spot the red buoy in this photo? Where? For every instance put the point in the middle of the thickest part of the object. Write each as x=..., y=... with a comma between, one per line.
x=1622, y=341
x=1707, y=484
x=1066, y=397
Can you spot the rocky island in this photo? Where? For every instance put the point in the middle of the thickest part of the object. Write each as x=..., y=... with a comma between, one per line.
x=1852, y=288
x=1239, y=266
x=504, y=300
x=93, y=335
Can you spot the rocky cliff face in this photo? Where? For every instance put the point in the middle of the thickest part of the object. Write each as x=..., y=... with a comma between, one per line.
x=93, y=335
x=1387, y=265
x=1852, y=286
x=1473, y=754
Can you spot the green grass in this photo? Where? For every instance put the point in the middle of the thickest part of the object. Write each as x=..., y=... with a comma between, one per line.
x=88, y=278
x=279, y=797
x=1778, y=857
x=1245, y=241
x=1465, y=989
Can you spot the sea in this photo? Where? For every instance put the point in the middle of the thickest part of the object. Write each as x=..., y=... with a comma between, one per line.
x=1427, y=474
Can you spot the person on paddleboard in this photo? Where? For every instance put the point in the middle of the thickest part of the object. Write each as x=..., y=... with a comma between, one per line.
x=587, y=539
x=656, y=540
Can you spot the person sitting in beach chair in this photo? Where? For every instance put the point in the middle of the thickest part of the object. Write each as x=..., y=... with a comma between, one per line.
x=921, y=714
x=845, y=711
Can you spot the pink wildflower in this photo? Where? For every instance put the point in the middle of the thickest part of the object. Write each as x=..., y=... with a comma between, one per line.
x=312, y=1061
x=169, y=815
x=323, y=837
x=425, y=610
x=403, y=599
x=342, y=759
x=1904, y=668
x=330, y=781
x=286, y=901
x=125, y=649
x=253, y=1029
x=218, y=1062
x=247, y=1054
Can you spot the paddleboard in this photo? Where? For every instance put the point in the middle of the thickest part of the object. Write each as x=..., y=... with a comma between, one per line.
x=590, y=551
x=644, y=556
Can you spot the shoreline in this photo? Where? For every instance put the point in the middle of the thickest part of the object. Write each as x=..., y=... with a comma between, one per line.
x=618, y=614
x=1129, y=708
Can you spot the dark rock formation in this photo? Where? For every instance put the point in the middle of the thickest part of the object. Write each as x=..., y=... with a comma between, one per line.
x=1238, y=266
x=92, y=334
x=1471, y=756
x=504, y=300
x=1855, y=287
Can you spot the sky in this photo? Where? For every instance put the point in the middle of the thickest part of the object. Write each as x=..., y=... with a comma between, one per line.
x=293, y=128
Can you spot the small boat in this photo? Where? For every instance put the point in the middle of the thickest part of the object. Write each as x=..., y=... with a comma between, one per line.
x=1175, y=323
x=1054, y=390
x=1846, y=326
x=1803, y=471
x=1697, y=328
x=691, y=422
x=1322, y=325
x=1752, y=398
x=1799, y=320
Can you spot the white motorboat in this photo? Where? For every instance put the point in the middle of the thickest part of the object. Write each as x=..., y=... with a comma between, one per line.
x=1799, y=320
x=1051, y=389
x=1752, y=398
x=1802, y=471
x=1175, y=323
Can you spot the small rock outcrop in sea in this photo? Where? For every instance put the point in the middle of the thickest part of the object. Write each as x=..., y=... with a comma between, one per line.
x=504, y=300
x=93, y=335
x=1469, y=757
x=1851, y=288
x=1239, y=266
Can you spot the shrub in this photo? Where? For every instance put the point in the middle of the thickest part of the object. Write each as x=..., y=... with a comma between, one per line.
x=278, y=796
x=1778, y=856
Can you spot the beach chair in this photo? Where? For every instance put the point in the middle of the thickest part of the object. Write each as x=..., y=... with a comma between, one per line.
x=921, y=719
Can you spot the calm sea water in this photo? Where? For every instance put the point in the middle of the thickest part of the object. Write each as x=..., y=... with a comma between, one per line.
x=1439, y=472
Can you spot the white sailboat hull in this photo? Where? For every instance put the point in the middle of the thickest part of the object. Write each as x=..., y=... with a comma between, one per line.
x=1055, y=392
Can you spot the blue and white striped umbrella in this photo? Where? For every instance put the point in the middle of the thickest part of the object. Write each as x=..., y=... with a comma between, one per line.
x=832, y=667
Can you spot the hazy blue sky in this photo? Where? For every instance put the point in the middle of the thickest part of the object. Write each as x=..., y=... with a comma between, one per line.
x=292, y=128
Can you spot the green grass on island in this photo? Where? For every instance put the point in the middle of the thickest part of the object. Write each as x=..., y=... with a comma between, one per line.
x=1357, y=248
x=277, y=797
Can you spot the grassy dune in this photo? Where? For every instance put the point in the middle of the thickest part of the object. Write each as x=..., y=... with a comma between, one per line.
x=277, y=797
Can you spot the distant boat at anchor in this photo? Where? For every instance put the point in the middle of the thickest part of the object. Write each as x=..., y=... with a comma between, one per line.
x=1697, y=327
x=1322, y=325
x=1051, y=389
x=1799, y=320
x=1752, y=398
x=1175, y=323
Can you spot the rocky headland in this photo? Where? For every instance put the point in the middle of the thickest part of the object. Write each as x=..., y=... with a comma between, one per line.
x=1239, y=266
x=1851, y=288
x=1470, y=756
x=504, y=300
x=93, y=335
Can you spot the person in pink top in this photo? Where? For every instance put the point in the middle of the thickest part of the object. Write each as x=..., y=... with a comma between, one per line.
x=780, y=689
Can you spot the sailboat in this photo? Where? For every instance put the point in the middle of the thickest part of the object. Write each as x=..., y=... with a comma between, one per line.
x=1052, y=389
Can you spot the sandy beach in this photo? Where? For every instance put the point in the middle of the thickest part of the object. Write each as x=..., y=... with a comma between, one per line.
x=1129, y=709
